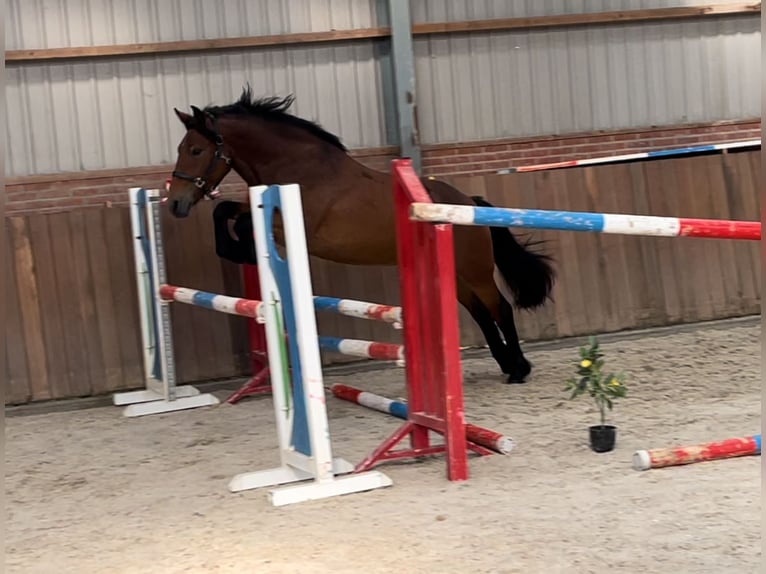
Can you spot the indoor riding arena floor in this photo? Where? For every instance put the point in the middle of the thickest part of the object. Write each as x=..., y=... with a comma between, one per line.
x=89, y=491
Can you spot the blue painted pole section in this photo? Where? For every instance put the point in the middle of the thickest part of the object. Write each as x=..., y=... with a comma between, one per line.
x=326, y=303
x=539, y=219
x=202, y=299
x=330, y=343
x=683, y=150
x=398, y=409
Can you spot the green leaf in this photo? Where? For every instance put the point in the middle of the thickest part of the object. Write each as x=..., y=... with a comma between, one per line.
x=592, y=380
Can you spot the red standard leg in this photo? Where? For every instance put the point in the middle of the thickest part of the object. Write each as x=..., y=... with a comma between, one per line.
x=431, y=337
x=258, y=383
x=446, y=352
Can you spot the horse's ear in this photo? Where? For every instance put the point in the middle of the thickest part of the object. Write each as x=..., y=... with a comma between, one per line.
x=199, y=115
x=185, y=118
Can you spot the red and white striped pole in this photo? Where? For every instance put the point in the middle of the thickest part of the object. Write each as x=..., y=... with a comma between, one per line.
x=487, y=438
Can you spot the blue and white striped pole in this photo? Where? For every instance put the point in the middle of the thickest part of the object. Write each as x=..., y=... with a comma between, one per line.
x=614, y=223
x=706, y=148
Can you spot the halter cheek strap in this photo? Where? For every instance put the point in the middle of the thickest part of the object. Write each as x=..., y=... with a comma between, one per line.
x=201, y=181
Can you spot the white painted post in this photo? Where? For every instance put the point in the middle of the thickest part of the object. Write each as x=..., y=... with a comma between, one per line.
x=320, y=468
x=160, y=395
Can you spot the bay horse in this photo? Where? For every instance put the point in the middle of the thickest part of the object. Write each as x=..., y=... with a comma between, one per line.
x=348, y=209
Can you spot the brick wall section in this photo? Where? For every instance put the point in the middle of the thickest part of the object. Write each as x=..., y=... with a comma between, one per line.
x=491, y=156
x=109, y=187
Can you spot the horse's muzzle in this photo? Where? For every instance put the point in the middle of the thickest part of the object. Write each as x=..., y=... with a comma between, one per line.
x=180, y=208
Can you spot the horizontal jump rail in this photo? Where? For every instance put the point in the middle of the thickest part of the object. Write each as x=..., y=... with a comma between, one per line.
x=222, y=303
x=482, y=436
x=360, y=309
x=613, y=223
x=254, y=309
x=654, y=154
x=364, y=349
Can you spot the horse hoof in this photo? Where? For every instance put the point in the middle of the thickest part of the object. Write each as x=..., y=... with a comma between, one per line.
x=518, y=374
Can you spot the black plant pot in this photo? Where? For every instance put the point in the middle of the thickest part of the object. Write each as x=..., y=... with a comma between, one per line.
x=602, y=437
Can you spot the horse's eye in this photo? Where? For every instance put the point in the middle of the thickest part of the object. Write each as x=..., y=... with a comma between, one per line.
x=196, y=150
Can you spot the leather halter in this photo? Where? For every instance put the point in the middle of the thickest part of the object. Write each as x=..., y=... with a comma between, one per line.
x=201, y=181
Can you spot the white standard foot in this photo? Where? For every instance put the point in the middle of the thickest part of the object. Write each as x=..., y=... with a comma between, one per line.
x=160, y=406
x=310, y=489
x=338, y=486
x=281, y=475
x=144, y=396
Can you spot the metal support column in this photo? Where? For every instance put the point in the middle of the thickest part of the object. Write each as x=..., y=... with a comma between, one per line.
x=381, y=48
x=404, y=80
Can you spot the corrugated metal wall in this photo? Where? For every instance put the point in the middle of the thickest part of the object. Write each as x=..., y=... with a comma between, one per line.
x=66, y=23
x=548, y=81
x=456, y=10
x=117, y=112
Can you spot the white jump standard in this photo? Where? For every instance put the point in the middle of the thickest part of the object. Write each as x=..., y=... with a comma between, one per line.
x=299, y=406
x=161, y=394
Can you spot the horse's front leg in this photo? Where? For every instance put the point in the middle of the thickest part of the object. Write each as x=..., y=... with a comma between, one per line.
x=243, y=228
x=242, y=249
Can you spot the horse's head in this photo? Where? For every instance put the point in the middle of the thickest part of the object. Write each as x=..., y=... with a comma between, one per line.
x=202, y=162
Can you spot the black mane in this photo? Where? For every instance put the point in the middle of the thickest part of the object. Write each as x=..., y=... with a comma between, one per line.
x=273, y=108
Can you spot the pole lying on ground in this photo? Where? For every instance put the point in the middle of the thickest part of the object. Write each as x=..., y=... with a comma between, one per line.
x=729, y=448
x=479, y=435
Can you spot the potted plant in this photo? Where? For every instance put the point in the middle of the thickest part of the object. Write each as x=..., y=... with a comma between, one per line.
x=603, y=389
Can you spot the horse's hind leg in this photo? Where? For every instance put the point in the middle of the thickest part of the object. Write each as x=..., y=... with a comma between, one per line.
x=519, y=366
x=514, y=364
x=483, y=317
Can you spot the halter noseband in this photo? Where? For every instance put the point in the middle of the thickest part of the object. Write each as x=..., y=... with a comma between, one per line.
x=201, y=181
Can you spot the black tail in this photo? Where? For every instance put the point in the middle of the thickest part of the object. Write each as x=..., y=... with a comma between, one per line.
x=529, y=275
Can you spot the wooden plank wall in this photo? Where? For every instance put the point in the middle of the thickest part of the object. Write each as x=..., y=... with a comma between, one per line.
x=73, y=328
